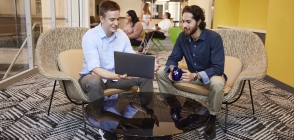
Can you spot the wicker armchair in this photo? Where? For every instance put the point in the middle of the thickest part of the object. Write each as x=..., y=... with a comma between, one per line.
x=63, y=46
x=59, y=57
x=241, y=44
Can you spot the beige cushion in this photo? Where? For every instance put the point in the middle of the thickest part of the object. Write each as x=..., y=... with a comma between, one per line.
x=110, y=91
x=71, y=62
x=196, y=89
x=191, y=88
x=233, y=67
x=182, y=64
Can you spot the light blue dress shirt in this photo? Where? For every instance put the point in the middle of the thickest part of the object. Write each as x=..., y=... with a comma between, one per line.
x=98, y=49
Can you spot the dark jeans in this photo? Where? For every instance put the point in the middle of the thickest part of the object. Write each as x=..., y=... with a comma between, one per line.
x=135, y=42
x=154, y=34
x=94, y=87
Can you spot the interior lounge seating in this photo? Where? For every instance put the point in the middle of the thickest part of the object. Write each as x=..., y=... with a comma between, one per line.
x=156, y=42
x=245, y=60
x=59, y=57
x=174, y=33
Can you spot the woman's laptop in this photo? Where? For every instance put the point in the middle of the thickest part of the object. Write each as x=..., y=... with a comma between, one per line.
x=134, y=64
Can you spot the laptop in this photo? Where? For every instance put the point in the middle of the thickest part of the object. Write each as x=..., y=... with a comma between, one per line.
x=134, y=64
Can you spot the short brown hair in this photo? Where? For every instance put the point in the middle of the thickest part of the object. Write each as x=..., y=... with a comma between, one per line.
x=107, y=5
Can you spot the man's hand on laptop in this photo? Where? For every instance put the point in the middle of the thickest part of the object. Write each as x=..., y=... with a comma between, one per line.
x=126, y=77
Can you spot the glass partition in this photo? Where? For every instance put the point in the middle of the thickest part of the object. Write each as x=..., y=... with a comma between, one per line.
x=64, y=9
x=22, y=22
x=61, y=13
x=14, y=53
x=16, y=49
x=66, y=13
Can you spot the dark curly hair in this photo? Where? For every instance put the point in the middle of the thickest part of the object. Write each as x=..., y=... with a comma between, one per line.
x=198, y=13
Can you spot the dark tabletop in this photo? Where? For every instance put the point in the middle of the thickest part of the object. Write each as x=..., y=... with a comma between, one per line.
x=148, y=114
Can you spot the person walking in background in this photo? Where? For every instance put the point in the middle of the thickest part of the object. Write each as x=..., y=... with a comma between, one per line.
x=133, y=28
x=145, y=16
x=203, y=51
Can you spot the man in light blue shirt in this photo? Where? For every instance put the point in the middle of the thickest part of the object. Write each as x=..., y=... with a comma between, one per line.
x=99, y=45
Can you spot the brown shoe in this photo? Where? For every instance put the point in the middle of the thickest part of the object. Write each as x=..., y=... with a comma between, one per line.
x=209, y=132
x=140, y=50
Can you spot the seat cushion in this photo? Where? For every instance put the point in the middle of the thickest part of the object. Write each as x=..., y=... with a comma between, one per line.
x=111, y=91
x=191, y=88
x=196, y=89
x=71, y=62
x=233, y=67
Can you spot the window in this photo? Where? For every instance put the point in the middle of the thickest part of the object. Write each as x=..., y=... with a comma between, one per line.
x=38, y=7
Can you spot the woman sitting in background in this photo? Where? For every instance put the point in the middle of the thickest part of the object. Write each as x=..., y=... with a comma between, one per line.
x=133, y=28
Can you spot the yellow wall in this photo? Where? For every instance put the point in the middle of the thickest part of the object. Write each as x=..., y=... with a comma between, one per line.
x=241, y=13
x=226, y=12
x=274, y=16
x=253, y=14
x=279, y=41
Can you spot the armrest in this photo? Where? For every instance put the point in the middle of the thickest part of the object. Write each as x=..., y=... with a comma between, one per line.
x=56, y=75
x=251, y=75
x=244, y=75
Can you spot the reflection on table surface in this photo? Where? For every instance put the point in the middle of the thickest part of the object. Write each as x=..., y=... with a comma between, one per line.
x=148, y=114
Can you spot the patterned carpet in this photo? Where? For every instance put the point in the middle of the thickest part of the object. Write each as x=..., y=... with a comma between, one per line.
x=23, y=113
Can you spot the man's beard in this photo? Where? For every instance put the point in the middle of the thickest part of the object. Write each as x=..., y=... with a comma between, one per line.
x=192, y=31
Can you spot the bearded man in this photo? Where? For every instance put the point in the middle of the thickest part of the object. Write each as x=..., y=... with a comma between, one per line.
x=204, y=53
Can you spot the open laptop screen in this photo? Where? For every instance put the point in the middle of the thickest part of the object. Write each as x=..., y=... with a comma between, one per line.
x=134, y=64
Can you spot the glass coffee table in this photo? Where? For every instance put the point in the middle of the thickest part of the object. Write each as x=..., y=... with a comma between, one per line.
x=147, y=115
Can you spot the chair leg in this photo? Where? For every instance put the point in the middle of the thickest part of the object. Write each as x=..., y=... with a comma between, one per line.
x=239, y=94
x=158, y=45
x=83, y=108
x=76, y=103
x=51, y=97
x=161, y=45
x=226, y=118
x=251, y=97
x=154, y=44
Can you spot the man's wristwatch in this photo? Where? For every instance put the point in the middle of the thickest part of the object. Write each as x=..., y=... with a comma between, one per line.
x=195, y=76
